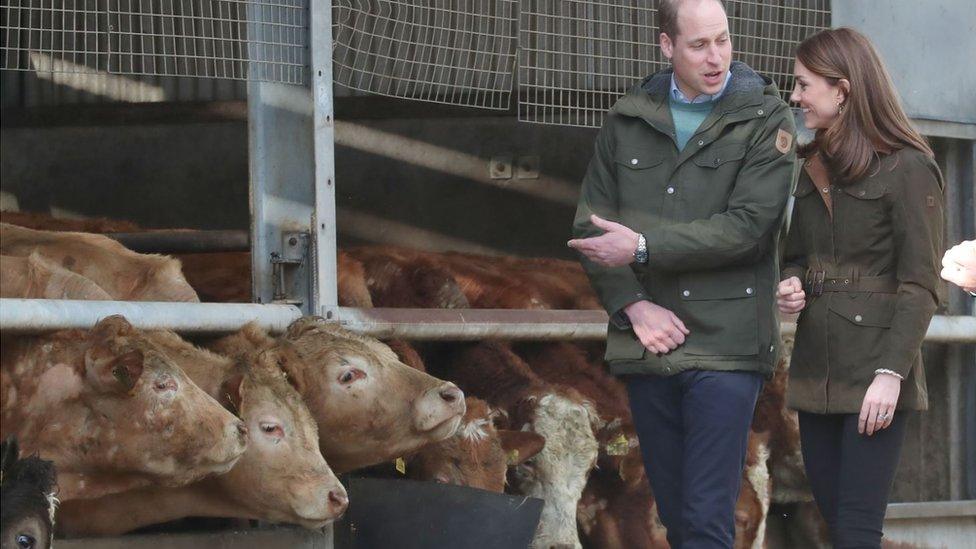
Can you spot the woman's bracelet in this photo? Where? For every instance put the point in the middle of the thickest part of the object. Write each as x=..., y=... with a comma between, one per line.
x=889, y=372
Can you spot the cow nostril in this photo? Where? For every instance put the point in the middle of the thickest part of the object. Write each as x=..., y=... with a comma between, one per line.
x=338, y=500
x=451, y=394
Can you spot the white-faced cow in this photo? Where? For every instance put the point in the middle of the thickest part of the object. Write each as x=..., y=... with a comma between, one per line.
x=112, y=411
x=558, y=473
x=27, y=500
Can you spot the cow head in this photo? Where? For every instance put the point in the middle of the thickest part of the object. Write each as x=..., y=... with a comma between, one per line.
x=282, y=476
x=370, y=407
x=141, y=418
x=478, y=455
x=558, y=473
x=27, y=500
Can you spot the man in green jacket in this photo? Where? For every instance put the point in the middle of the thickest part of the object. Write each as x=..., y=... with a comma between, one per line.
x=678, y=223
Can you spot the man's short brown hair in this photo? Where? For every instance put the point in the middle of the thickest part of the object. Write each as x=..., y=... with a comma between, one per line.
x=667, y=16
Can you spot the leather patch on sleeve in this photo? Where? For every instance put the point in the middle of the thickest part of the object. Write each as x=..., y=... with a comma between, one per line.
x=784, y=140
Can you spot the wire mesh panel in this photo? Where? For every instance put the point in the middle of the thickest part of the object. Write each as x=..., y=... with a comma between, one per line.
x=236, y=39
x=458, y=52
x=578, y=56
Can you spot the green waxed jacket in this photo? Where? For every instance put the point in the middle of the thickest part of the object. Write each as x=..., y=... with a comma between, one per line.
x=877, y=257
x=711, y=214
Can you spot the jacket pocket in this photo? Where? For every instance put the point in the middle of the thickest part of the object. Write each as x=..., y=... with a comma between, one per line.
x=866, y=189
x=865, y=309
x=623, y=345
x=721, y=312
x=641, y=179
x=857, y=333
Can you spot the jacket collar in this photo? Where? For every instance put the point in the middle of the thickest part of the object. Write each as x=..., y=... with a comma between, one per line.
x=745, y=88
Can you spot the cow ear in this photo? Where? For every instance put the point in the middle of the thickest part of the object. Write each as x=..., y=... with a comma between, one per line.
x=520, y=445
x=232, y=393
x=111, y=327
x=282, y=358
x=113, y=372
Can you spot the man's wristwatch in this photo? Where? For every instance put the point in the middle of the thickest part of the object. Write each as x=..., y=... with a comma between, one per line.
x=640, y=254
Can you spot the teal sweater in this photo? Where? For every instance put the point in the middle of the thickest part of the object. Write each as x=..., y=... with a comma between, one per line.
x=687, y=117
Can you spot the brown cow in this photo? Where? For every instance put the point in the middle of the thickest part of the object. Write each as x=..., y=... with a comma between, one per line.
x=225, y=277
x=38, y=278
x=122, y=273
x=558, y=473
x=369, y=406
x=282, y=476
x=112, y=411
x=47, y=222
x=567, y=365
x=478, y=455
x=398, y=277
x=614, y=514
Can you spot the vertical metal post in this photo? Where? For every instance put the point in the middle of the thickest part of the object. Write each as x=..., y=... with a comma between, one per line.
x=281, y=162
x=324, y=286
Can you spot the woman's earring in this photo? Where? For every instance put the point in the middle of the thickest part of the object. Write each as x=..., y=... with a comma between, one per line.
x=840, y=108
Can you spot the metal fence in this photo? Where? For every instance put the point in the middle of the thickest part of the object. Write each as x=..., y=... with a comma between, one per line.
x=572, y=58
x=578, y=56
x=459, y=52
x=234, y=39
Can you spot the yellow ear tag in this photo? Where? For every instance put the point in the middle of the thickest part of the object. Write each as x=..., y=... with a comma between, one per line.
x=401, y=466
x=513, y=456
x=618, y=446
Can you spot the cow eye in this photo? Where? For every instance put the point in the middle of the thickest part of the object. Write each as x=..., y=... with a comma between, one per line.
x=165, y=384
x=351, y=375
x=272, y=429
x=24, y=541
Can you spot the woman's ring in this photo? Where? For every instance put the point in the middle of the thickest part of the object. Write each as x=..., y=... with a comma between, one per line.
x=882, y=417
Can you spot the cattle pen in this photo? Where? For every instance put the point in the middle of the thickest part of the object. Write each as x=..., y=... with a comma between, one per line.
x=290, y=130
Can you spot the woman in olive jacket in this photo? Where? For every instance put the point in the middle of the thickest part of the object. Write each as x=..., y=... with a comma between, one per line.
x=862, y=269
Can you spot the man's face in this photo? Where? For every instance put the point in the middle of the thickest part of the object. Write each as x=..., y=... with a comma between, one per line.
x=702, y=50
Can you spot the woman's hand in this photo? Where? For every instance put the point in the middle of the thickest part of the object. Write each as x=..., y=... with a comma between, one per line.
x=878, y=408
x=790, y=297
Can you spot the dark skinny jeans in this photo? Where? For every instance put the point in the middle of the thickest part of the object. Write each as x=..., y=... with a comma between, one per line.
x=851, y=474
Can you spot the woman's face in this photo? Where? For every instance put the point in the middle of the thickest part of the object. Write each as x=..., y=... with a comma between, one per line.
x=819, y=99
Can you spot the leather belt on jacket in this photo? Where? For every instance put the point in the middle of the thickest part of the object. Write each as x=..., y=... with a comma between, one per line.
x=817, y=282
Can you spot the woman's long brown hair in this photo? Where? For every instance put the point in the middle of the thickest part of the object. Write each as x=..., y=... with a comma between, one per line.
x=872, y=122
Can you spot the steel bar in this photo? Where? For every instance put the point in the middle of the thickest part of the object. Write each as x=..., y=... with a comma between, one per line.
x=184, y=241
x=42, y=315
x=34, y=315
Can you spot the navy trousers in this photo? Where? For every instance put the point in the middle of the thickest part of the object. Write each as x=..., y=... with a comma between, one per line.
x=693, y=429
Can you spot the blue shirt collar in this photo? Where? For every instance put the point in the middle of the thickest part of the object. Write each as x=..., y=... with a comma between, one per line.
x=680, y=97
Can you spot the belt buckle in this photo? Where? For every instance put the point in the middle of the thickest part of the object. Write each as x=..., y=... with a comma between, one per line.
x=816, y=282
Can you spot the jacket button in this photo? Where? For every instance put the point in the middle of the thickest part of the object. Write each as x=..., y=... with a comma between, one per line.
x=861, y=193
x=760, y=112
x=686, y=293
x=826, y=190
x=718, y=161
x=749, y=291
x=700, y=142
x=633, y=161
x=670, y=190
x=667, y=369
x=858, y=318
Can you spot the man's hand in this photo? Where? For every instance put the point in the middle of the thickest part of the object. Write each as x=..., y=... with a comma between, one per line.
x=878, y=407
x=790, y=297
x=959, y=265
x=657, y=328
x=614, y=248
